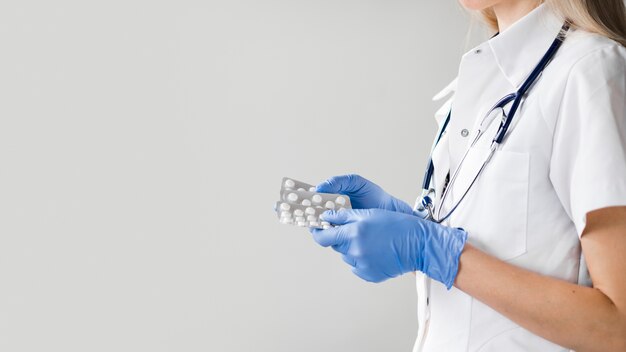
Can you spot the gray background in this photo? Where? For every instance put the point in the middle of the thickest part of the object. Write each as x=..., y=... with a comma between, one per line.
x=142, y=145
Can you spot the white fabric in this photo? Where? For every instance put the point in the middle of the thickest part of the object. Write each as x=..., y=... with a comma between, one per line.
x=564, y=155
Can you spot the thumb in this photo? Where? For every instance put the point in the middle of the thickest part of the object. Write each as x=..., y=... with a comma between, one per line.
x=340, y=217
x=343, y=184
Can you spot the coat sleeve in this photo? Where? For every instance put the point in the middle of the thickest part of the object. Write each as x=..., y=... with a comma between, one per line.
x=588, y=162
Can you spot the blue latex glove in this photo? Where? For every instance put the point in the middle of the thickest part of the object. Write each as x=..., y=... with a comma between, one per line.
x=381, y=244
x=363, y=194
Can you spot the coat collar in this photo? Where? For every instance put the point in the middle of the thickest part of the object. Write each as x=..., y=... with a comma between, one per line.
x=520, y=47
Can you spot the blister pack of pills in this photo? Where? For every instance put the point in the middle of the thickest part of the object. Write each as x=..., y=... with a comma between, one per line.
x=300, y=205
x=290, y=184
x=300, y=215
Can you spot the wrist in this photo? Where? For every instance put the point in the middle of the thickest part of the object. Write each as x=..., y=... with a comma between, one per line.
x=443, y=246
x=456, y=249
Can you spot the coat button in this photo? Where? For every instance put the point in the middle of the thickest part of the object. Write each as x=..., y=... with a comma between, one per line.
x=464, y=132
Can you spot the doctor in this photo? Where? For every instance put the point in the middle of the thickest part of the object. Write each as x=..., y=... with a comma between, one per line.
x=519, y=240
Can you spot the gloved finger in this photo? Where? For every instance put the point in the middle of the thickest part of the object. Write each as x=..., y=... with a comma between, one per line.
x=367, y=276
x=340, y=217
x=343, y=184
x=330, y=237
x=341, y=248
x=349, y=260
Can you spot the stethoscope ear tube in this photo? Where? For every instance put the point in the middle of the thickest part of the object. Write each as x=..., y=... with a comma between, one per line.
x=531, y=80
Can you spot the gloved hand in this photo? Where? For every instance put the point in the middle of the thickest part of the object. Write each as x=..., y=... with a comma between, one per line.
x=381, y=244
x=363, y=194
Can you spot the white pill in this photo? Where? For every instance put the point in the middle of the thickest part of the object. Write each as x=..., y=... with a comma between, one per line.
x=312, y=189
x=285, y=206
x=302, y=223
x=292, y=197
x=298, y=212
x=285, y=214
x=309, y=211
x=301, y=189
x=325, y=223
x=300, y=218
x=325, y=227
x=290, y=184
x=286, y=221
x=317, y=199
x=340, y=201
x=330, y=205
x=306, y=203
x=311, y=218
x=314, y=223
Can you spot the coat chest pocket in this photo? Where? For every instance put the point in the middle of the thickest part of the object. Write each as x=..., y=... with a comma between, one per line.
x=495, y=210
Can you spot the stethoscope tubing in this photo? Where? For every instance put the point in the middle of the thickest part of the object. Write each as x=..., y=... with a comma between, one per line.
x=505, y=123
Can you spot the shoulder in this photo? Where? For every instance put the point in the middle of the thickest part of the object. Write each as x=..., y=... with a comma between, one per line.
x=587, y=63
x=592, y=58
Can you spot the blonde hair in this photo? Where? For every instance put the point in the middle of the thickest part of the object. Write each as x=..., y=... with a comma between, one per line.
x=604, y=17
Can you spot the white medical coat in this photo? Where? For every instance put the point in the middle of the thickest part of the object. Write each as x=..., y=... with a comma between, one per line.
x=564, y=155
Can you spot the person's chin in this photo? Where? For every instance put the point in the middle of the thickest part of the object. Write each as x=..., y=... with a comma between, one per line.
x=477, y=5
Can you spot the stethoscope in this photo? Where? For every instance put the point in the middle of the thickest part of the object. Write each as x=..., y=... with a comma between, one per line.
x=426, y=202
